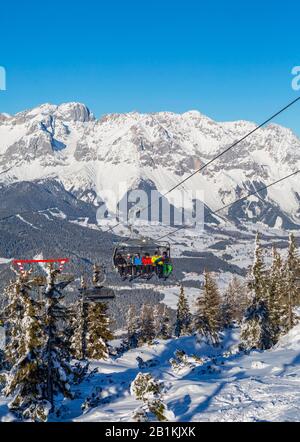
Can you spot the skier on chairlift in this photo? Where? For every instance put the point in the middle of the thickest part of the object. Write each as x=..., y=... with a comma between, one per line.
x=157, y=262
x=137, y=264
x=167, y=265
x=121, y=264
x=147, y=264
x=129, y=265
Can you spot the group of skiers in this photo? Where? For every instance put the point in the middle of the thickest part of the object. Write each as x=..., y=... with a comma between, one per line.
x=132, y=265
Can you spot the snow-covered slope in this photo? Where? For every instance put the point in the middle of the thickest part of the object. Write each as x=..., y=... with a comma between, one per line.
x=88, y=156
x=222, y=385
x=226, y=386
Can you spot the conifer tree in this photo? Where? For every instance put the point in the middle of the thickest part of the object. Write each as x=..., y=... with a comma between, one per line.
x=258, y=282
x=146, y=329
x=13, y=314
x=165, y=330
x=79, y=324
x=157, y=316
x=149, y=391
x=56, y=354
x=98, y=275
x=208, y=317
x=98, y=331
x=229, y=305
x=40, y=364
x=291, y=269
x=278, y=311
x=132, y=327
x=162, y=324
x=256, y=330
x=27, y=380
x=183, y=315
x=234, y=303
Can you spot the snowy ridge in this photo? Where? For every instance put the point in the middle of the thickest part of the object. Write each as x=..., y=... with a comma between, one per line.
x=67, y=143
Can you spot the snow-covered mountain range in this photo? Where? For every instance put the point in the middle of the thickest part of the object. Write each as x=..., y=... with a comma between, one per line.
x=87, y=155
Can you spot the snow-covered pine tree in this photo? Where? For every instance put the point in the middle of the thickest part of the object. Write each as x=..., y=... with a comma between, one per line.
x=234, y=303
x=148, y=390
x=98, y=331
x=278, y=309
x=132, y=327
x=290, y=272
x=27, y=380
x=13, y=314
x=183, y=315
x=140, y=415
x=157, y=313
x=146, y=329
x=79, y=324
x=165, y=329
x=98, y=275
x=208, y=316
x=256, y=330
x=57, y=354
x=259, y=281
x=229, y=305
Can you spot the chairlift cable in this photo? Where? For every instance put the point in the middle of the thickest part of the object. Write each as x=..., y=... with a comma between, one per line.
x=220, y=155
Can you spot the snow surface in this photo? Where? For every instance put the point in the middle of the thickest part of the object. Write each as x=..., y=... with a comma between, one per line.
x=242, y=388
x=5, y=260
x=227, y=386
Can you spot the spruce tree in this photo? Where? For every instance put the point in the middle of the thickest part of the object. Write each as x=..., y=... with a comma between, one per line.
x=234, y=303
x=146, y=329
x=162, y=324
x=277, y=306
x=132, y=327
x=256, y=330
x=98, y=331
x=40, y=363
x=258, y=282
x=291, y=269
x=79, y=324
x=98, y=275
x=150, y=391
x=165, y=329
x=183, y=315
x=13, y=314
x=229, y=305
x=56, y=353
x=208, y=317
x=157, y=316
x=27, y=380
x=77, y=337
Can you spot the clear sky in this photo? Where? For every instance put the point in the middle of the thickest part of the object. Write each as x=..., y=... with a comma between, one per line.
x=229, y=59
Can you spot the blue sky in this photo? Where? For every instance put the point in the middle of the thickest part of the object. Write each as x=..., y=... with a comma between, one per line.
x=228, y=59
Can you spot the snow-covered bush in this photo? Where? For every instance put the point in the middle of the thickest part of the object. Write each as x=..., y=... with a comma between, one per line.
x=148, y=390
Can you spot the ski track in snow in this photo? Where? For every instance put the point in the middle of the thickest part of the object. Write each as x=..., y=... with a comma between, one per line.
x=27, y=222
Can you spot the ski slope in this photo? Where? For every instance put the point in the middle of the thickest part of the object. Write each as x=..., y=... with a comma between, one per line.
x=262, y=386
x=227, y=386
